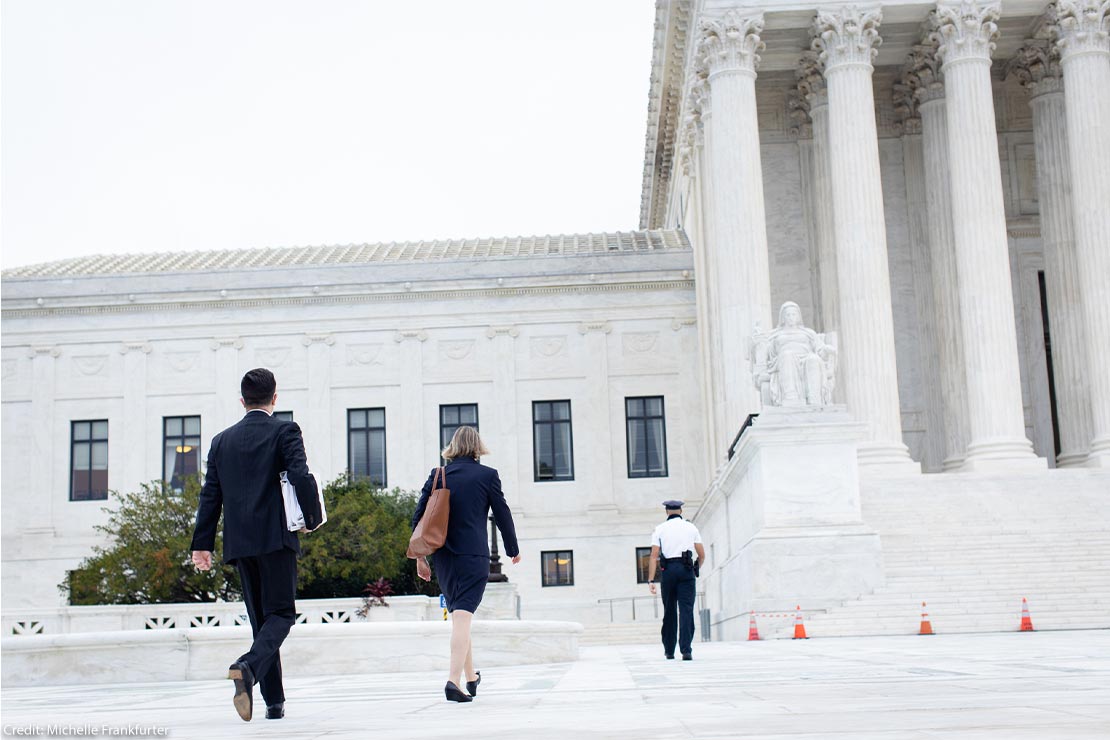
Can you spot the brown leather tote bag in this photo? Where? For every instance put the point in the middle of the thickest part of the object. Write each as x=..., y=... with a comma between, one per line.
x=431, y=530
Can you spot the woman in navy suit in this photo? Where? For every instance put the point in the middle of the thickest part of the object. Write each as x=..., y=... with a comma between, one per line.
x=462, y=564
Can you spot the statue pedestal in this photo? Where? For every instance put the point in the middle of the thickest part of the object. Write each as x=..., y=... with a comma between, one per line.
x=500, y=601
x=782, y=522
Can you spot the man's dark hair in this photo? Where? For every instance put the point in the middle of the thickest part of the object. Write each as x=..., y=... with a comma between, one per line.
x=258, y=387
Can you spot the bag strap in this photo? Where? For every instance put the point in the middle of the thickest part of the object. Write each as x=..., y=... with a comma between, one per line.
x=435, y=481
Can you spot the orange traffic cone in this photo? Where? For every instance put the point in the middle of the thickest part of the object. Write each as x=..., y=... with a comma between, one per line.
x=753, y=633
x=799, y=628
x=926, y=625
x=1026, y=622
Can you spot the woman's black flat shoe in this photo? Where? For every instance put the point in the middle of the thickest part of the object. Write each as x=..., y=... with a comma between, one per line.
x=453, y=694
x=472, y=686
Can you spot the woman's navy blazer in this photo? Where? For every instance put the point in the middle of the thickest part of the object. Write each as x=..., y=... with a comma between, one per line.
x=475, y=490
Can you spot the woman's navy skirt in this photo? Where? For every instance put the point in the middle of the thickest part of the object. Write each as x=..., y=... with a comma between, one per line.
x=462, y=577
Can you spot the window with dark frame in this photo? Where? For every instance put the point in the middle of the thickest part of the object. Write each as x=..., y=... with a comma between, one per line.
x=646, y=437
x=88, y=456
x=284, y=415
x=366, y=444
x=552, y=441
x=453, y=416
x=558, y=567
x=643, y=565
x=181, y=450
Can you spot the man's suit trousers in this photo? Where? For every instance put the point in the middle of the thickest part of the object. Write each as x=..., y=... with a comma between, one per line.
x=269, y=590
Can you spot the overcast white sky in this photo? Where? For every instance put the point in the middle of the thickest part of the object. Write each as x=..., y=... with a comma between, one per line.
x=154, y=125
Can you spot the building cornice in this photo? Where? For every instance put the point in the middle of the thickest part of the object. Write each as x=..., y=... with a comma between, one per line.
x=665, y=99
x=121, y=305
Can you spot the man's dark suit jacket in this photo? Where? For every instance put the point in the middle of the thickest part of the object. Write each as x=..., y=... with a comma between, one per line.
x=244, y=464
x=475, y=490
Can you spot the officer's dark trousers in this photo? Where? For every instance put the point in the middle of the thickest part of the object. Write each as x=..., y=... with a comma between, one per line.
x=269, y=589
x=679, y=587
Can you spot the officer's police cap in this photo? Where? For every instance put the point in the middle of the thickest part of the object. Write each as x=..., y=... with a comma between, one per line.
x=672, y=504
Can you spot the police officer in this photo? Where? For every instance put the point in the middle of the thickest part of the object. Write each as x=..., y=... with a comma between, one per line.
x=672, y=548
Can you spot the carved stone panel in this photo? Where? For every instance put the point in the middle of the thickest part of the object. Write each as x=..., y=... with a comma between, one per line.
x=272, y=357
x=639, y=342
x=88, y=365
x=455, y=349
x=548, y=346
x=368, y=353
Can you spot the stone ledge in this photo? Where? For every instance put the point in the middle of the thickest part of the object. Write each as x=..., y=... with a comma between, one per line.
x=204, y=653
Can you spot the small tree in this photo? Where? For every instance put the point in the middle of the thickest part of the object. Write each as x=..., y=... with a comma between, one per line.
x=364, y=540
x=149, y=560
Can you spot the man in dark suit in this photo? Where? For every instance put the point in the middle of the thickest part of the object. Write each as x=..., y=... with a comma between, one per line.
x=244, y=464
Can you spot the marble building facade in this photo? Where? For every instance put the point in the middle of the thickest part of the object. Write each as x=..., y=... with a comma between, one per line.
x=954, y=327
x=927, y=182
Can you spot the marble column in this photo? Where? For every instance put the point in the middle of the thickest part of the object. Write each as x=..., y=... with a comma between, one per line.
x=41, y=491
x=846, y=41
x=228, y=379
x=811, y=85
x=139, y=444
x=691, y=156
x=965, y=35
x=729, y=46
x=913, y=166
x=942, y=252
x=504, y=442
x=1037, y=65
x=1084, y=44
x=317, y=426
x=600, y=452
x=415, y=459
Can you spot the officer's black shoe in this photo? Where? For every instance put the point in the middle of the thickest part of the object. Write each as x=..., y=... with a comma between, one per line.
x=472, y=686
x=240, y=672
x=670, y=656
x=687, y=656
x=275, y=711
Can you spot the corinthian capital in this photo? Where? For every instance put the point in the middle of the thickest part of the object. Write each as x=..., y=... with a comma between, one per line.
x=966, y=30
x=687, y=142
x=1083, y=27
x=731, y=42
x=1037, y=67
x=920, y=78
x=848, y=36
x=810, y=81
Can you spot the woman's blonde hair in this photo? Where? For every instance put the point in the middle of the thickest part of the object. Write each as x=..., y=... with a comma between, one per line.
x=465, y=443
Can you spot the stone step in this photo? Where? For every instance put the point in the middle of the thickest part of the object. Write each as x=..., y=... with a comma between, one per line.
x=986, y=595
x=910, y=558
x=1028, y=574
x=818, y=626
x=985, y=609
x=971, y=546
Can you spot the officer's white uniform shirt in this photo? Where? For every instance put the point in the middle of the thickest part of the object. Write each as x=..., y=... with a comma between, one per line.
x=675, y=536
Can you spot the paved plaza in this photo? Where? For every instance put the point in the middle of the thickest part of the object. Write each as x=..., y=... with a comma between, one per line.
x=1040, y=685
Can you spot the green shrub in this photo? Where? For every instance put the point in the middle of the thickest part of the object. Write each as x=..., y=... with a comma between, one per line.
x=365, y=539
x=149, y=560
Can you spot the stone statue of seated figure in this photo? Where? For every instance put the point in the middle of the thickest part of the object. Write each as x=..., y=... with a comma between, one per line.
x=793, y=365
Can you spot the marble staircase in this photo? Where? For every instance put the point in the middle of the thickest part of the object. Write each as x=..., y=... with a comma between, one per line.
x=971, y=546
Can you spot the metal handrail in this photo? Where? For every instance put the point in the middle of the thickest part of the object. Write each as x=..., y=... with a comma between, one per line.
x=633, y=599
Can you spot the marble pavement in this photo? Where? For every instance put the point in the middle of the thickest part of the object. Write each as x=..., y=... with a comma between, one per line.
x=1042, y=685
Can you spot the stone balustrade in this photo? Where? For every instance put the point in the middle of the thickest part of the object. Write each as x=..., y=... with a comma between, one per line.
x=500, y=603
